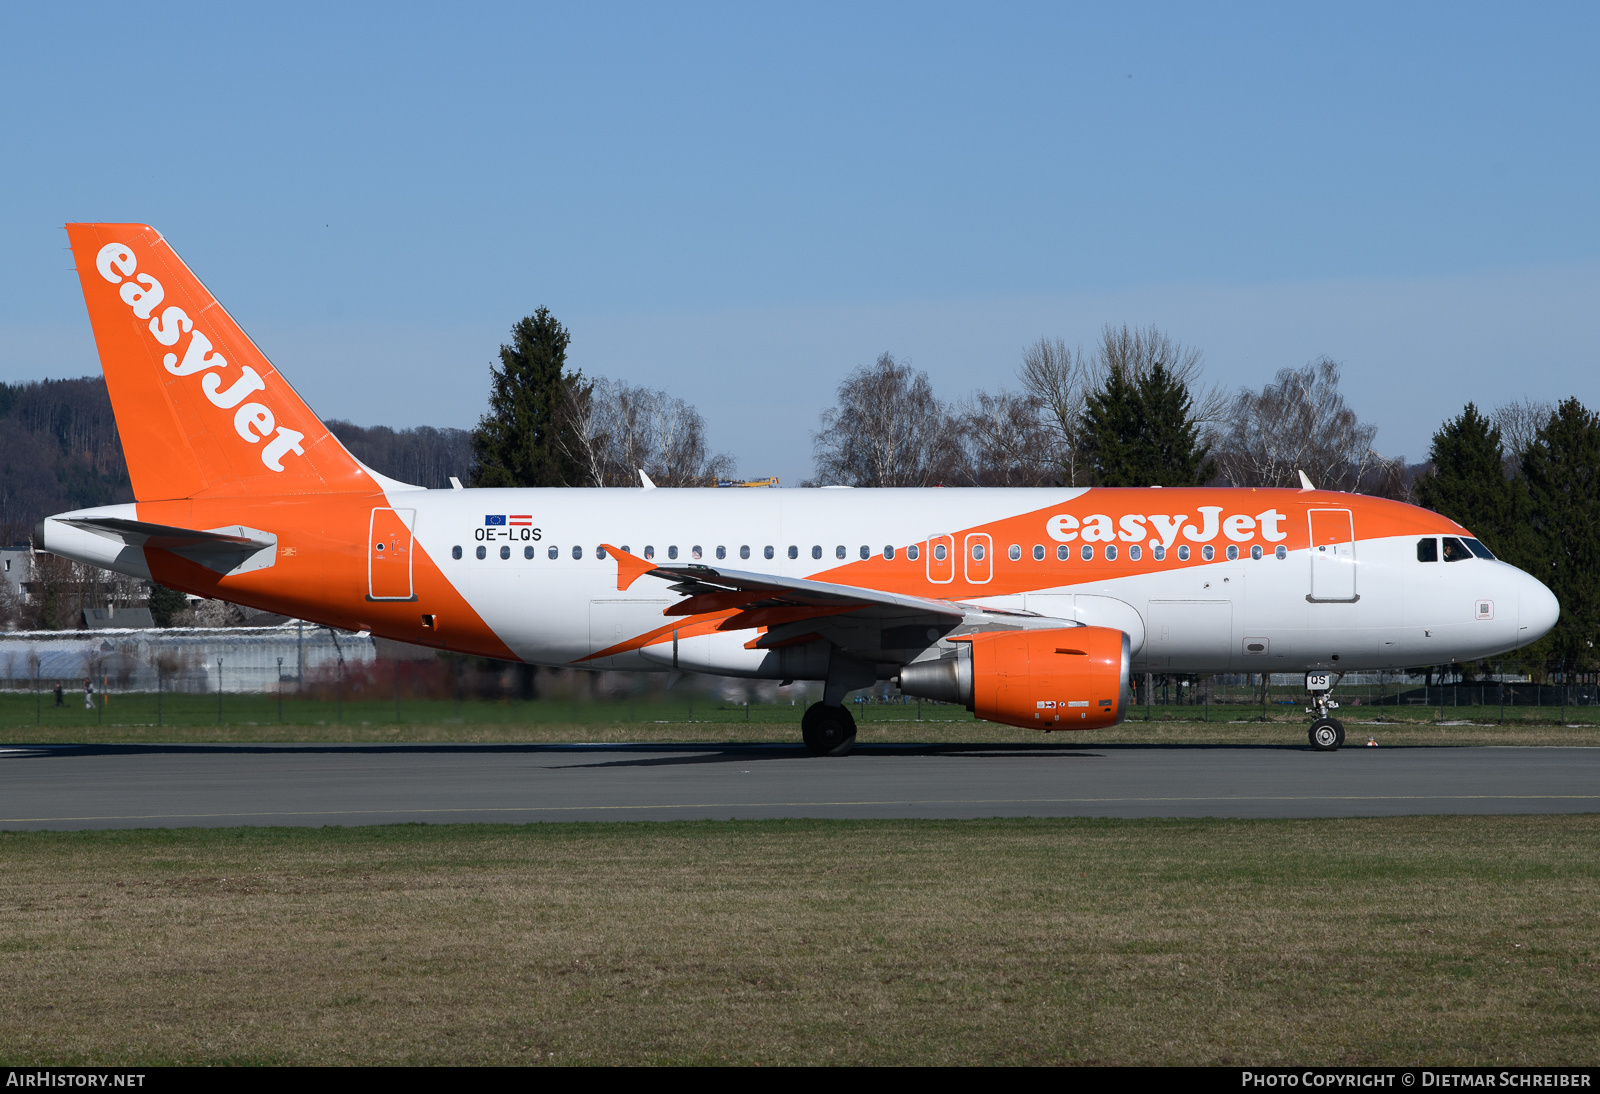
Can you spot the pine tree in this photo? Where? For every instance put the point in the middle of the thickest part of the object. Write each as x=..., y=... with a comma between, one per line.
x=1562, y=469
x=1139, y=430
x=526, y=437
x=1470, y=486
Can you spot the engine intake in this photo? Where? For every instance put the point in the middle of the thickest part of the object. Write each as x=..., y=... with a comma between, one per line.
x=1063, y=678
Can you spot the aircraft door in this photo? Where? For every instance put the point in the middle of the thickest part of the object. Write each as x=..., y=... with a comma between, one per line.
x=389, y=554
x=941, y=559
x=1333, y=555
x=979, y=558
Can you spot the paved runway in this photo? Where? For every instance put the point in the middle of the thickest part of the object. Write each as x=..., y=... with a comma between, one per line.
x=135, y=786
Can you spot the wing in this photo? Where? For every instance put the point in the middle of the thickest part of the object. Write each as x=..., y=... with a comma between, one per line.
x=870, y=623
x=225, y=550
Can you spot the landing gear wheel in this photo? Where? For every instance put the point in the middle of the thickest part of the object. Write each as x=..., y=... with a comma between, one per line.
x=828, y=731
x=1326, y=735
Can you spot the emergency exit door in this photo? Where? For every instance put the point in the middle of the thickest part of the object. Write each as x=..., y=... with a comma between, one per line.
x=1333, y=555
x=389, y=554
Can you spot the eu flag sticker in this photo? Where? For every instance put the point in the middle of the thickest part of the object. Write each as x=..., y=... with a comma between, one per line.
x=495, y=521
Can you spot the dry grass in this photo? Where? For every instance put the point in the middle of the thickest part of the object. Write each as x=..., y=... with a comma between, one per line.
x=874, y=729
x=1396, y=940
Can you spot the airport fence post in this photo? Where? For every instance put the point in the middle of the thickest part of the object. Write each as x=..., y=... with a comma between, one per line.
x=1149, y=687
x=280, y=691
x=158, y=693
x=1264, y=678
x=1209, y=685
x=1563, y=691
x=397, y=717
x=219, y=691
x=38, y=701
x=1441, y=693
x=339, y=692
x=1502, y=693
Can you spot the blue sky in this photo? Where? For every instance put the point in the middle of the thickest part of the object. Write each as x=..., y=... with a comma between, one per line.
x=741, y=203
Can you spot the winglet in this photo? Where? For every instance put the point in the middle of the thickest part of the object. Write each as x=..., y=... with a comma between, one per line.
x=629, y=568
x=1305, y=483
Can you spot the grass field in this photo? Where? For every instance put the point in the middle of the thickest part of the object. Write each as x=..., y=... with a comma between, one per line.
x=1396, y=940
x=260, y=718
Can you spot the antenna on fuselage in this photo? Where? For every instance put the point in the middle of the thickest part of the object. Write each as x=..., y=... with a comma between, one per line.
x=1305, y=483
x=645, y=479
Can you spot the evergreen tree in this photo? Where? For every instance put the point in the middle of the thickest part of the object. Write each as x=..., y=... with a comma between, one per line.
x=1470, y=486
x=1562, y=469
x=526, y=438
x=1139, y=430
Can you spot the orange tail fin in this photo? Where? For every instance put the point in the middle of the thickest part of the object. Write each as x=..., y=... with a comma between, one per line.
x=201, y=411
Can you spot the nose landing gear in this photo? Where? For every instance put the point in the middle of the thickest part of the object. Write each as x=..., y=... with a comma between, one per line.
x=1327, y=733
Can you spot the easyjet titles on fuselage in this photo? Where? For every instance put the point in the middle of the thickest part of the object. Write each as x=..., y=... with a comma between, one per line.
x=1131, y=527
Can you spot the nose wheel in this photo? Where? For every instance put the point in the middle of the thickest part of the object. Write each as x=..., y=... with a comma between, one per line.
x=828, y=731
x=1327, y=734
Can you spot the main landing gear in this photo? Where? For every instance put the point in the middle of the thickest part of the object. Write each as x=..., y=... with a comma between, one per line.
x=1327, y=733
x=828, y=730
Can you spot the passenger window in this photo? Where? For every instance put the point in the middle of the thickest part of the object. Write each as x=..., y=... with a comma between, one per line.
x=722, y=552
x=600, y=552
x=977, y=552
x=1063, y=553
x=1183, y=552
x=794, y=552
x=816, y=551
x=527, y=552
x=913, y=551
x=555, y=552
x=577, y=552
x=649, y=552
x=1455, y=550
x=1255, y=552
x=767, y=552
x=1111, y=552
x=482, y=552
x=1135, y=553
x=455, y=552
x=1233, y=552
x=888, y=552
x=1086, y=553
x=866, y=552
x=1014, y=552
x=1478, y=549
x=1280, y=551
x=744, y=552
x=938, y=552
x=1428, y=550
x=672, y=552
x=1038, y=552
x=505, y=552
x=838, y=552
x=694, y=552
x=1159, y=553
x=1207, y=552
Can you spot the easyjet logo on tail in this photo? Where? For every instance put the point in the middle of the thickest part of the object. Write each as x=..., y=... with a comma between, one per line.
x=254, y=420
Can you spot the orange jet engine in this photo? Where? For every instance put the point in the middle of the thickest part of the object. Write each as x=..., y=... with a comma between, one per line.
x=1062, y=678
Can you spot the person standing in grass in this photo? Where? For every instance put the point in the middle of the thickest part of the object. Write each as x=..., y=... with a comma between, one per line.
x=88, y=694
x=59, y=696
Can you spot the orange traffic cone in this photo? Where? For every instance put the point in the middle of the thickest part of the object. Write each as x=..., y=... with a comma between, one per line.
x=1372, y=742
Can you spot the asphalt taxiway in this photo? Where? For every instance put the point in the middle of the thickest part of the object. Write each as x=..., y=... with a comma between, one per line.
x=136, y=786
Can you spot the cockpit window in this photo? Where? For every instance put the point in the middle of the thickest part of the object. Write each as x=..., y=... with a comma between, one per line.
x=1428, y=550
x=1455, y=550
x=1478, y=549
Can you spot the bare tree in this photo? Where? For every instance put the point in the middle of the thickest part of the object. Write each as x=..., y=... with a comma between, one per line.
x=887, y=430
x=1519, y=423
x=1299, y=422
x=1007, y=440
x=1136, y=351
x=622, y=430
x=1059, y=380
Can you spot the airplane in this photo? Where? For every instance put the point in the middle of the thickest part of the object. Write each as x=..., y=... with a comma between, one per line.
x=1030, y=607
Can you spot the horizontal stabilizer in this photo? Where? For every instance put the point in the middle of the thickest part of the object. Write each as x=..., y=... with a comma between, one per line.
x=230, y=550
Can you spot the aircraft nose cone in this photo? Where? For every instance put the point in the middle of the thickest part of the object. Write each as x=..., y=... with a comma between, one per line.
x=1537, y=609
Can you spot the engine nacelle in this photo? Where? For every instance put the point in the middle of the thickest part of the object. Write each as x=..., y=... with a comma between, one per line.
x=1066, y=678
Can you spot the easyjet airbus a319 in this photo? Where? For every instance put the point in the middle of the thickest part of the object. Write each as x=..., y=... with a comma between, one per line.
x=1030, y=607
